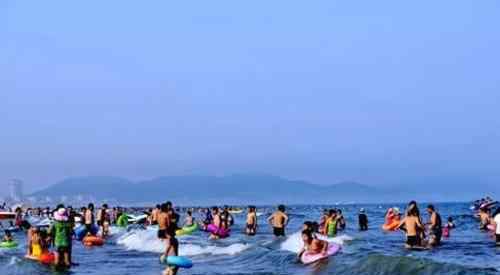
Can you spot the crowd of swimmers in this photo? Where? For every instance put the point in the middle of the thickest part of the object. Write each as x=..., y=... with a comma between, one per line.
x=60, y=234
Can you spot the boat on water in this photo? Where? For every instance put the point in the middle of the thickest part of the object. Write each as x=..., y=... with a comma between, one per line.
x=7, y=219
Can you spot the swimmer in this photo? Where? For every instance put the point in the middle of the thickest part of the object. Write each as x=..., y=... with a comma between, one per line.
x=189, y=220
x=496, y=219
x=484, y=218
x=154, y=215
x=331, y=223
x=103, y=220
x=362, y=220
x=216, y=220
x=279, y=220
x=7, y=237
x=312, y=245
x=435, y=226
x=163, y=222
x=171, y=249
x=89, y=218
x=61, y=232
x=412, y=226
x=251, y=225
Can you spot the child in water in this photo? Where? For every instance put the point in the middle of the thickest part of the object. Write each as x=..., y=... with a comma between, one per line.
x=36, y=243
x=7, y=237
x=171, y=249
x=189, y=220
x=312, y=245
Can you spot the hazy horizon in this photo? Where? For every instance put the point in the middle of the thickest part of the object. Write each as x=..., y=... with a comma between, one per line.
x=380, y=93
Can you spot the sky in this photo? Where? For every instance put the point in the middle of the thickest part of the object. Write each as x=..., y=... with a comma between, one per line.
x=378, y=92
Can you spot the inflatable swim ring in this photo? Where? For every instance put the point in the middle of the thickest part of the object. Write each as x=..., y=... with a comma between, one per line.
x=309, y=258
x=93, y=241
x=491, y=227
x=222, y=233
x=122, y=221
x=177, y=261
x=9, y=244
x=187, y=230
x=393, y=226
x=81, y=232
x=47, y=258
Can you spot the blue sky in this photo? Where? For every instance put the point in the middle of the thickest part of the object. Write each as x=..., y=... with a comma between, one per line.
x=380, y=92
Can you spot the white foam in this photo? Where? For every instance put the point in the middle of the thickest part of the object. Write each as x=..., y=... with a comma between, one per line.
x=147, y=241
x=294, y=242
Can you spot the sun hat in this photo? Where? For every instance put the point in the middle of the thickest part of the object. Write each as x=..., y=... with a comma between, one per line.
x=60, y=215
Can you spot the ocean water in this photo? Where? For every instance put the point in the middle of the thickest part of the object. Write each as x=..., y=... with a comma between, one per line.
x=136, y=251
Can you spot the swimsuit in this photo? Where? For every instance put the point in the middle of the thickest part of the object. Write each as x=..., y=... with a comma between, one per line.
x=278, y=231
x=36, y=250
x=162, y=233
x=411, y=240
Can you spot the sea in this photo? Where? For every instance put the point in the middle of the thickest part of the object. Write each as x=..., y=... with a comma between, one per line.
x=135, y=251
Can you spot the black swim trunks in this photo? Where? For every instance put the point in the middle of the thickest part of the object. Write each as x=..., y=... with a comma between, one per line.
x=162, y=234
x=411, y=240
x=279, y=232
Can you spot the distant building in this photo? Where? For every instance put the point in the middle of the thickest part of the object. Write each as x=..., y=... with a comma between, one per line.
x=16, y=190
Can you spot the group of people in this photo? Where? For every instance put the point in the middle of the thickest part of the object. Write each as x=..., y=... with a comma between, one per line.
x=489, y=218
x=60, y=234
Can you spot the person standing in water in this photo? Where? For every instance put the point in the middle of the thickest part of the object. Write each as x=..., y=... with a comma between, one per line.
x=331, y=223
x=279, y=221
x=189, y=220
x=412, y=226
x=496, y=218
x=154, y=215
x=484, y=218
x=163, y=222
x=89, y=219
x=435, y=226
x=251, y=226
x=171, y=249
x=322, y=221
x=61, y=236
x=226, y=218
x=103, y=220
x=341, y=220
x=363, y=220
x=217, y=221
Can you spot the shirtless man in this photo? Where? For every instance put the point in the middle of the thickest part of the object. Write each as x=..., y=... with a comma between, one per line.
x=251, y=228
x=154, y=215
x=171, y=249
x=435, y=226
x=103, y=220
x=89, y=219
x=163, y=222
x=412, y=225
x=279, y=221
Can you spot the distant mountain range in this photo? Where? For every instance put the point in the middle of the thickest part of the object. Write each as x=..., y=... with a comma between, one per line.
x=245, y=189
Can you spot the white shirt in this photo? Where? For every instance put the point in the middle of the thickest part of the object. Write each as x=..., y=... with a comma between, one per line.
x=497, y=221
